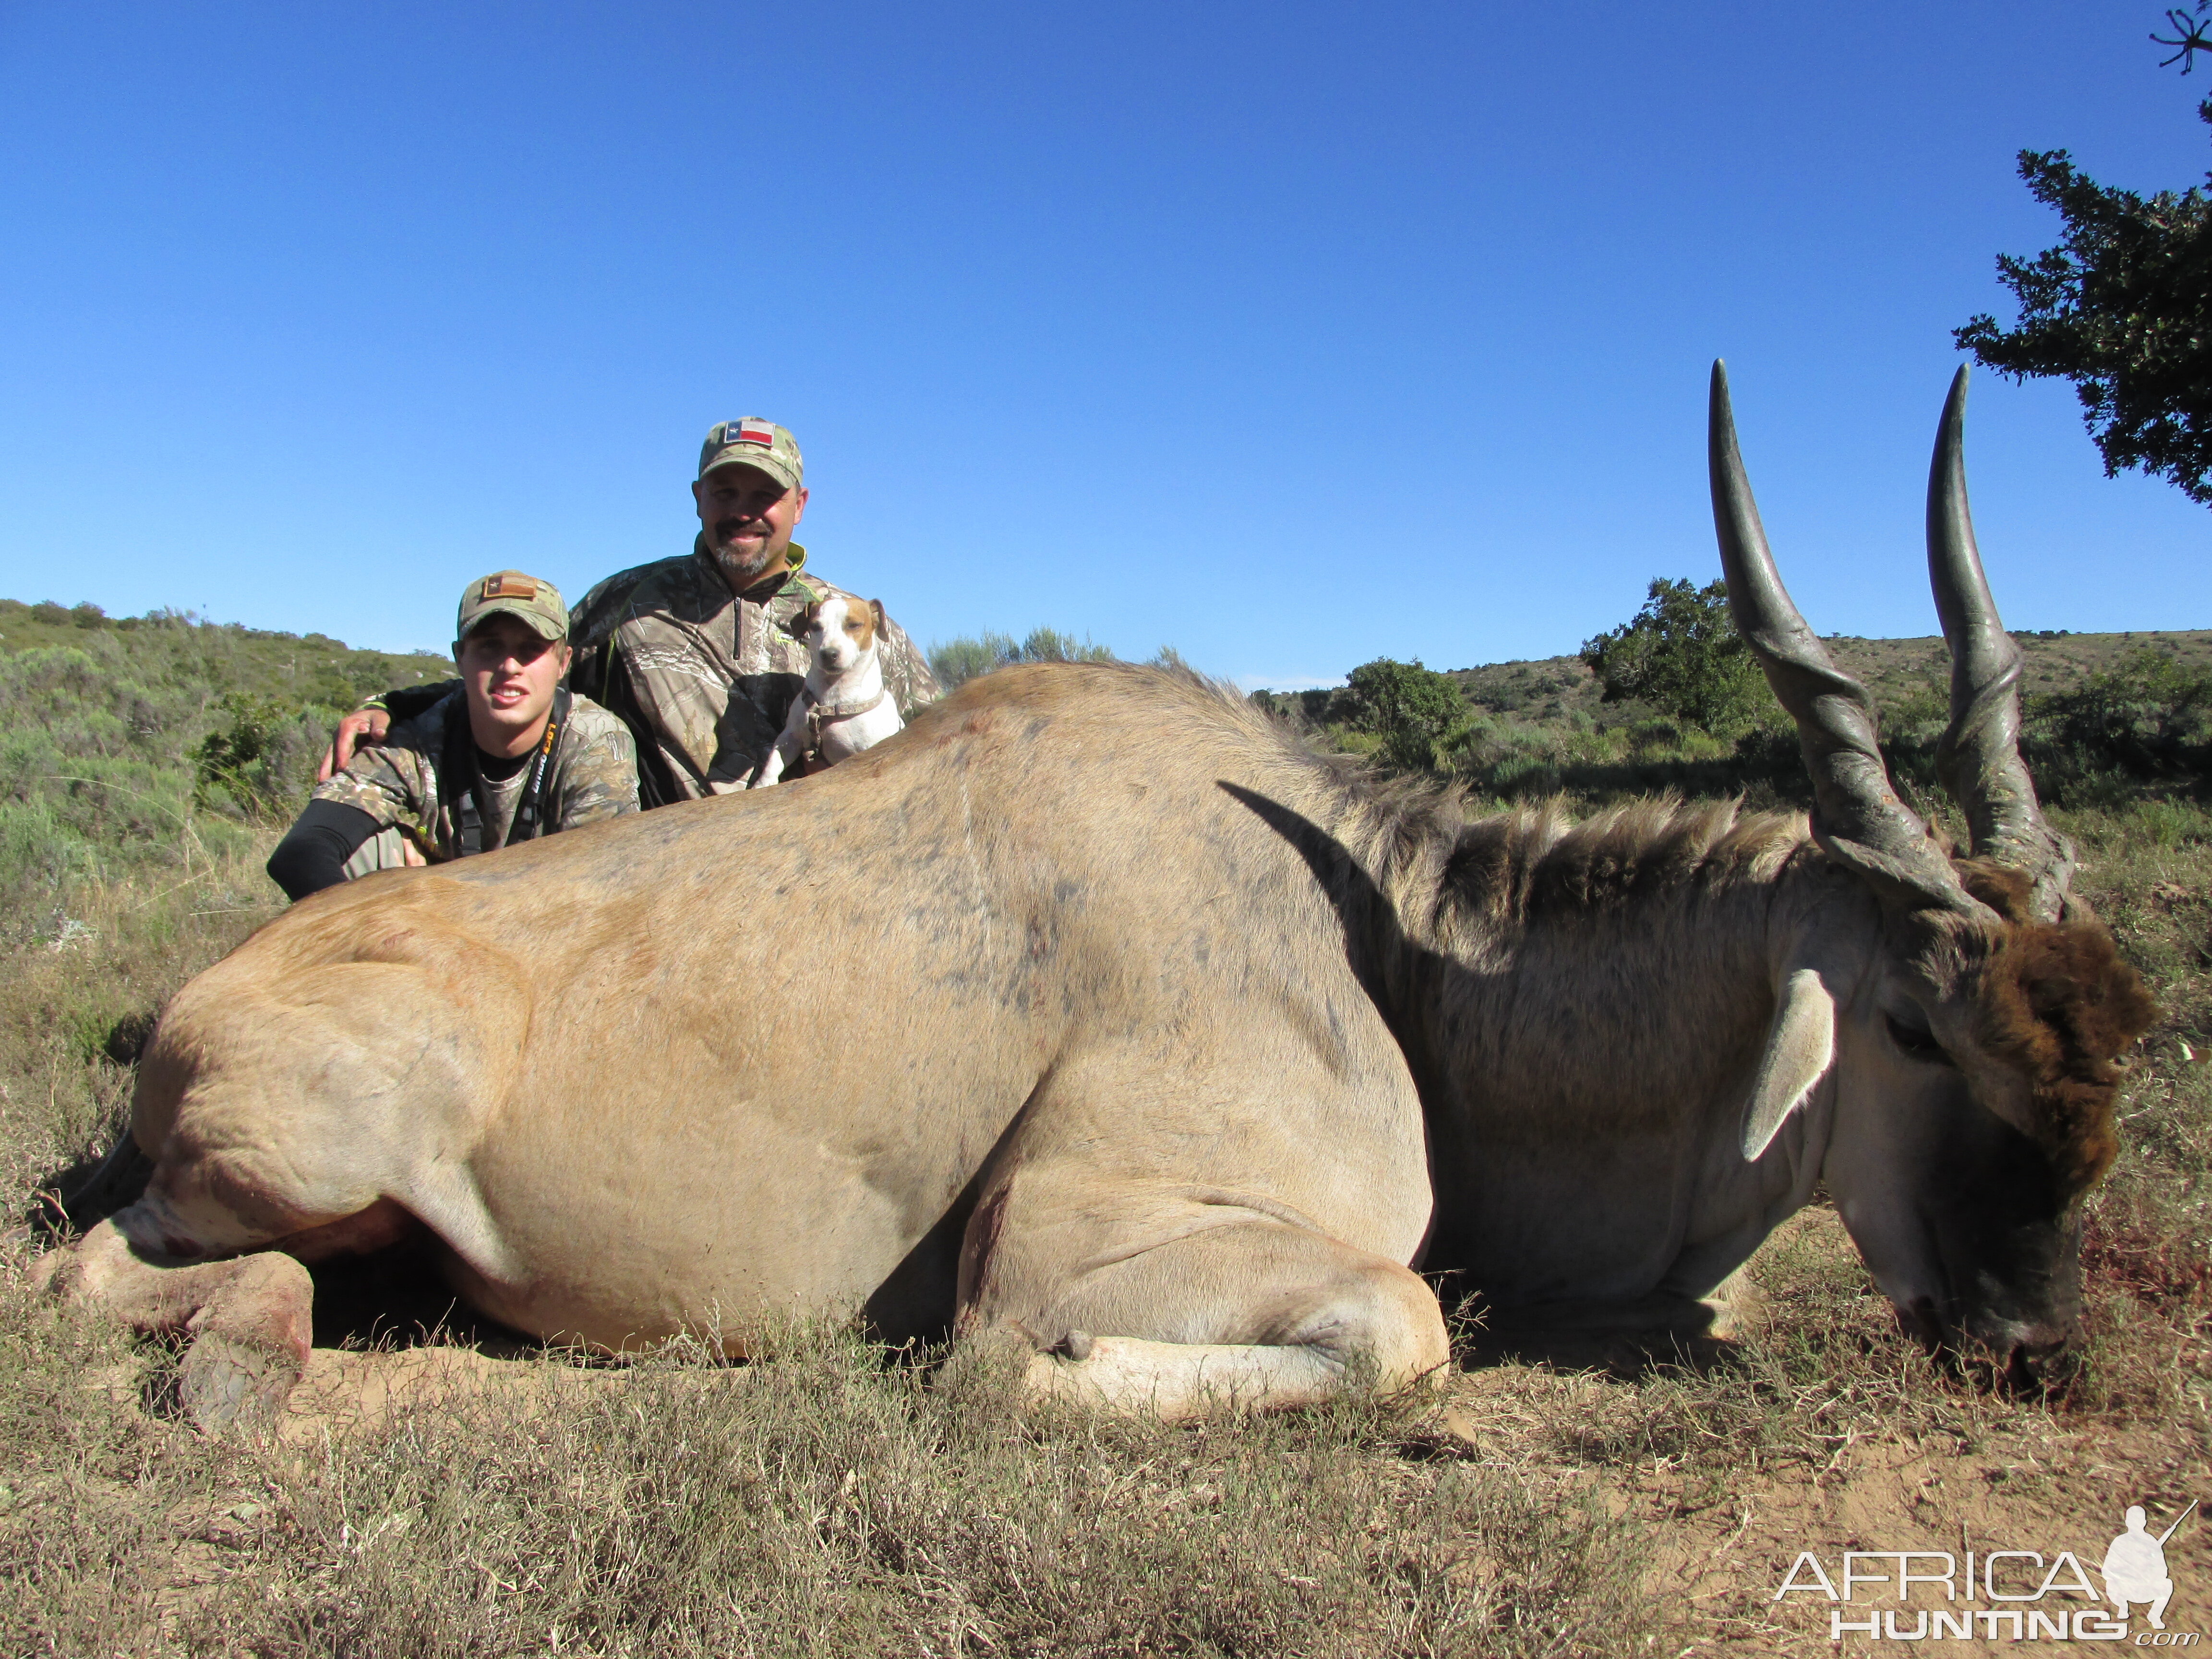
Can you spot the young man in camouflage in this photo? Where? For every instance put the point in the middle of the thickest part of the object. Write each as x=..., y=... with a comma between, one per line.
x=701, y=654
x=507, y=756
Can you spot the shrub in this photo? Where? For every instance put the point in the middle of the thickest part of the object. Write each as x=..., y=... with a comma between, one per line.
x=1308, y=708
x=255, y=767
x=1409, y=707
x=2146, y=716
x=958, y=660
x=1681, y=654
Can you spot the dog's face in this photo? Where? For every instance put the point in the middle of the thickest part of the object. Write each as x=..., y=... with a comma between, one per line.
x=840, y=632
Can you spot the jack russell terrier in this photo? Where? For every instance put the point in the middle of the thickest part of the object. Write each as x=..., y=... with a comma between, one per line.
x=844, y=708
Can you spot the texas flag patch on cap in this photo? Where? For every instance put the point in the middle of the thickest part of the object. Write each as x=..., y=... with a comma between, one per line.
x=749, y=431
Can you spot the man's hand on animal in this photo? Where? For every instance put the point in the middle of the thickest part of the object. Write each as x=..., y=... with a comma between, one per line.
x=1100, y=1016
x=370, y=724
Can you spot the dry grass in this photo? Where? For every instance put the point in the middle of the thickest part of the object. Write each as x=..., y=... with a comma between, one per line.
x=821, y=1502
x=835, y=1499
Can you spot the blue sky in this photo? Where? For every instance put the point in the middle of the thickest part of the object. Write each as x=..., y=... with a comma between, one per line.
x=1290, y=335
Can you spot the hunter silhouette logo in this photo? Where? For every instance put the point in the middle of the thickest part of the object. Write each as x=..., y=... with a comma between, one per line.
x=1931, y=1594
x=2134, y=1567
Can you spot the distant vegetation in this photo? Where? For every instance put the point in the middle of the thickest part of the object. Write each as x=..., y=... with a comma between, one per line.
x=130, y=742
x=1670, y=700
x=157, y=742
x=154, y=741
x=1408, y=710
x=1682, y=656
x=959, y=660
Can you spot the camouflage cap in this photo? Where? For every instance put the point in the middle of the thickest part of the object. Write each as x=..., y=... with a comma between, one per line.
x=512, y=593
x=753, y=443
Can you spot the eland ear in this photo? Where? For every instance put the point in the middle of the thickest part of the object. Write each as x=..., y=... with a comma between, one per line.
x=1801, y=1047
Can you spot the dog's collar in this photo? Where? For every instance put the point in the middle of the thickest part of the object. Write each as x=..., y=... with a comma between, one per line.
x=820, y=714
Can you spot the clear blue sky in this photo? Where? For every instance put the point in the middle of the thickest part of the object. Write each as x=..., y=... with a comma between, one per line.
x=1291, y=335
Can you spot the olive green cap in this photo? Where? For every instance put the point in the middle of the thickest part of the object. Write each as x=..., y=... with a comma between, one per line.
x=752, y=441
x=535, y=600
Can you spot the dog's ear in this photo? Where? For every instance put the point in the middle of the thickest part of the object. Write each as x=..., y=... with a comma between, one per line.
x=877, y=605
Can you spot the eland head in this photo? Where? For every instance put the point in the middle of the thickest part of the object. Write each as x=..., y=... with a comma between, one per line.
x=1974, y=1034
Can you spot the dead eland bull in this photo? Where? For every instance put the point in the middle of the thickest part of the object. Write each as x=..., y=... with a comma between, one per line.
x=1095, y=1009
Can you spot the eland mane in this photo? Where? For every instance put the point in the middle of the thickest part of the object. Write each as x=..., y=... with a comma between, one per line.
x=1443, y=867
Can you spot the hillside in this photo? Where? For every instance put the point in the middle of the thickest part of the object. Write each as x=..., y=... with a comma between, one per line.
x=313, y=669
x=2107, y=717
x=1895, y=672
x=177, y=647
x=155, y=743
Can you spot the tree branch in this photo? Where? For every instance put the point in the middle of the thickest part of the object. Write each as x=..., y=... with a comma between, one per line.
x=2190, y=39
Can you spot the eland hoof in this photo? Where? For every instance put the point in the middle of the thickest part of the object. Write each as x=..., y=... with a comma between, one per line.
x=250, y=1344
x=224, y=1383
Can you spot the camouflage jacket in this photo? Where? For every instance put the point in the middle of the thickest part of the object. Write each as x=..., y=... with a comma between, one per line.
x=705, y=680
x=410, y=781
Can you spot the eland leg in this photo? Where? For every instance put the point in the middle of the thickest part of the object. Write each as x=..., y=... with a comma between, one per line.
x=249, y=1319
x=1246, y=1312
x=215, y=1252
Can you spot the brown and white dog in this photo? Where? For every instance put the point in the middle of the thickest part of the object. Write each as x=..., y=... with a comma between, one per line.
x=844, y=708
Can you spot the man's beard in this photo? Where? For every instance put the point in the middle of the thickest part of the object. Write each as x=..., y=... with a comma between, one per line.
x=740, y=567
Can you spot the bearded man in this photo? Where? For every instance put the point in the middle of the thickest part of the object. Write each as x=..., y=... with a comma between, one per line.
x=701, y=654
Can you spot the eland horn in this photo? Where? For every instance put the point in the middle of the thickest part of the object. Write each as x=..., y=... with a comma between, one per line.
x=1979, y=758
x=1857, y=816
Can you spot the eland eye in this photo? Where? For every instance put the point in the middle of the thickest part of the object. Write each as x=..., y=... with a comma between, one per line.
x=1919, y=1043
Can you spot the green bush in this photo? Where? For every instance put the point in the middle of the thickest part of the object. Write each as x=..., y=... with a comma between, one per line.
x=39, y=859
x=260, y=767
x=1681, y=654
x=1410, y=708
x=958, y=660
x=1308, y=708
x=2145, y=718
